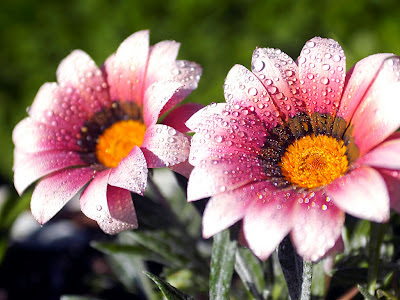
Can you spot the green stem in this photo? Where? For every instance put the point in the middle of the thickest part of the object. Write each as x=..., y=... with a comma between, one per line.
x=377, y=233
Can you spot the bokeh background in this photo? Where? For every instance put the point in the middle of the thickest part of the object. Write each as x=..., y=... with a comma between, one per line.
x=36, y=35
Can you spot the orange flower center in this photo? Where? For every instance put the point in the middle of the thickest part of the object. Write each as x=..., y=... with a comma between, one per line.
x=314, y=161
x=117, y=141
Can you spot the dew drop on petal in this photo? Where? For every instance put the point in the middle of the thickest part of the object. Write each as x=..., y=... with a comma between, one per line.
x=324, y=80
x=171, y=131
x=310, y=44
x=258, y=65
x=252, y=91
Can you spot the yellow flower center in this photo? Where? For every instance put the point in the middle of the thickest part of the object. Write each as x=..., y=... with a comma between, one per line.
x=117, y=141
x=314, y=161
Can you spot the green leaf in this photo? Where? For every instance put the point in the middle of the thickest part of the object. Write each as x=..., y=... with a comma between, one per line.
x=319, y=280
x=250, y=271
x=222, y=265
x=364, y=291
x=168, y=290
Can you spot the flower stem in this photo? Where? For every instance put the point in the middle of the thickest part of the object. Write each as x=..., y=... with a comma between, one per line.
x=297, y=272
x=377, y=233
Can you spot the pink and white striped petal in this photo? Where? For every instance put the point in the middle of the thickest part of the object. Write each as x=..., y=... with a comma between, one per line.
x=183, y=168
x=245, y=89
x=178, y=116
x=125, y=70
x=224, y=210
x=32, y=136
x=62, y=108
x=361, y=193
x=376, y=117
x=221, y=128
x=110, y=206
x=317, y=224
x=222, y=174
x=163, y=146
x=79, y=71
x=386, y=155
x=358, y=80
x=161, y=55
x=131, y=172
x=55, y=190
x=268, y=219
x=392, y=180
x=29, y=167
x=322, y=72
x=156, y=97
x=279, y=74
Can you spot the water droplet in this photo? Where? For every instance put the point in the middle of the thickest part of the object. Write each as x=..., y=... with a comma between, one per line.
x=310, y=44
x=302, y=59
x=171, y=131
x=258, y=65
x=310, y=76
x=336, y=58
x=99, y=208
x=326, y=67
x=218, y=138
x=252, y=91
x=324, y=80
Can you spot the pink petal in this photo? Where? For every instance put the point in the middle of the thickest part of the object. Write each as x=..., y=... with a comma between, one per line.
x=80, y=72
x=131, y=172
x=55, y=190
x=163, y=146
x=186, y=72
x=358, y=80
x=156, y=97
x=317, y=225
x=110, y=206
x=62, y=108
x=279, y=74
x=221, y=174
x=245, y=89
x=322, y=72
x=386, y=155
x=269, y=218
x=376, y=117
x=361, y=193
x=125, y=71
x=28, y=167
x=392, y=180
x=31, y=136
x=221, y=128
x=183, y=168
x=178, y=116
x=225, y=209
x=162, y=54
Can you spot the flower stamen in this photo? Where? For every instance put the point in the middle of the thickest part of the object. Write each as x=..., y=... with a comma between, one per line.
x=314, y=161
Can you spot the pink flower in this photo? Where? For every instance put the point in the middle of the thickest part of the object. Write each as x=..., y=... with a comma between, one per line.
x=298, y=145
x=97, y=127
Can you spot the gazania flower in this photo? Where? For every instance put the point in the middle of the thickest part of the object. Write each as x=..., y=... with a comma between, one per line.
x=298, y=145
x=98, y=126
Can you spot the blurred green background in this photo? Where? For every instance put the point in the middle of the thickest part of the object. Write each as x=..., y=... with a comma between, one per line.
x=36, y=35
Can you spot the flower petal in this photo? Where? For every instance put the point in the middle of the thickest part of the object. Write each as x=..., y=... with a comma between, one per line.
x=125, y=70
x=317, y=225
x=361, y=193
x=392, y=180
x=183, y=168
x=221, y=128
x=376, y=117
x=269, y=218
x=80, y=72
x=55, y=190
x=322, y=72
x=161, y=55
x=222, y=174
x=178, y=116
x=110, y=206
x=62, y=108
x=156, y=97
x=224, y=210
x=386, y=155
x=31, y=136
x=131, y=172
x=358, y=80
x=244, y=88
x=163, y=146
x=279, y=74
x=28, y=167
